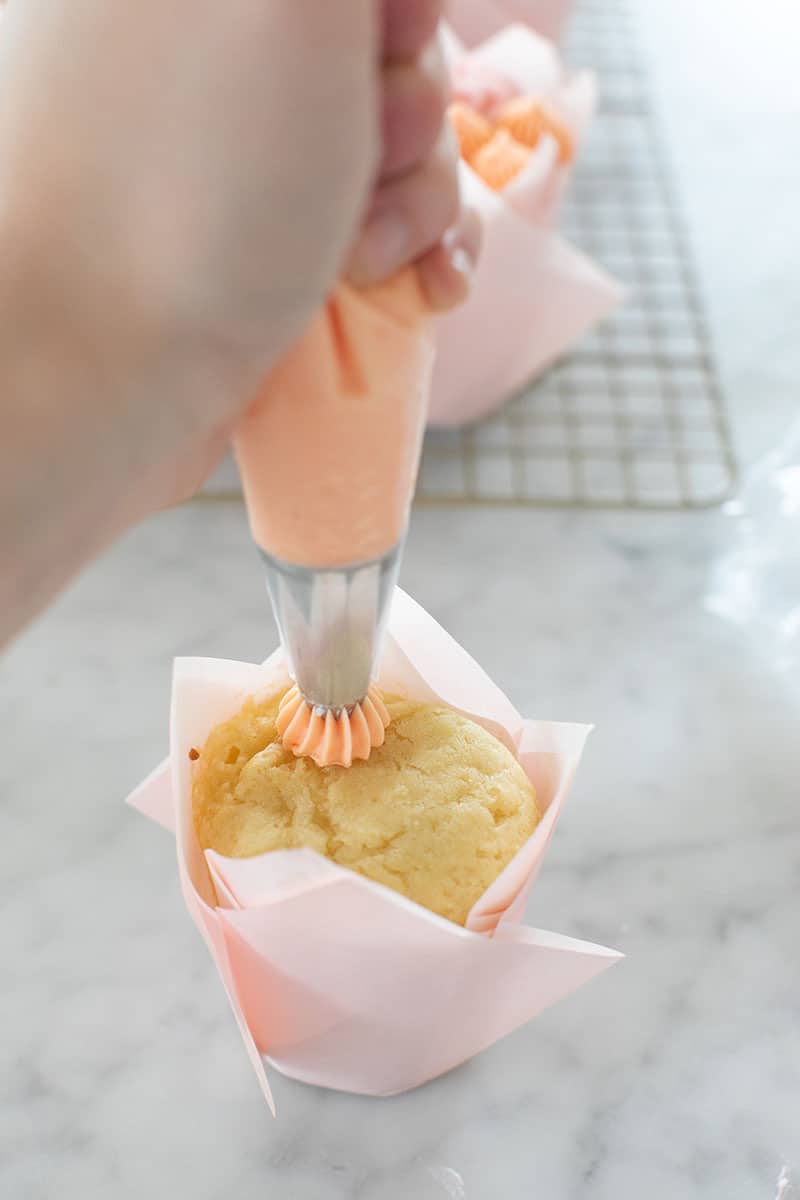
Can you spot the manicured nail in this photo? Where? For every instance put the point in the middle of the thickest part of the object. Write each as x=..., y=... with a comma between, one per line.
x=458, y=252
x=461, y=262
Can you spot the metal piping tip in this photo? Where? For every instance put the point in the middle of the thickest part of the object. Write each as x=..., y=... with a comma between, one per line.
x=332, y=621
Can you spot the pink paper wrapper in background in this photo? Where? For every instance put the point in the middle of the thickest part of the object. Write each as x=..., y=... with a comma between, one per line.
x=533, y=294
x=476, y=20
x=336, y=980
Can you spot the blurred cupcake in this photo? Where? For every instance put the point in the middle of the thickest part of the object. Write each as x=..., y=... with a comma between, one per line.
x=520, y=121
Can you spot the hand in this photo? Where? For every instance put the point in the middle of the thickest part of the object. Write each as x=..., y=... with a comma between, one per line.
x=182, y=185
x=195, y=172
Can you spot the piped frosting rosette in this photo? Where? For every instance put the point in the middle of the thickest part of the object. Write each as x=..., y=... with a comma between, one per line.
x=332, y=738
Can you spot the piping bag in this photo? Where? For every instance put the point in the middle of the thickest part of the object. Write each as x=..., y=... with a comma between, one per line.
x=328, y=454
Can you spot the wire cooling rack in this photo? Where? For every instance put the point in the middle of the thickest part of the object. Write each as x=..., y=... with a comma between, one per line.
x=634, y=415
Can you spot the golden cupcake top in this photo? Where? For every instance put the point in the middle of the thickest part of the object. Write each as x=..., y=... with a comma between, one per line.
x=436, y=813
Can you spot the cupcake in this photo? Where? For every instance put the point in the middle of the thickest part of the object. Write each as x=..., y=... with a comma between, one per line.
x=436, y=813
x=334, y=979
x=521, y=120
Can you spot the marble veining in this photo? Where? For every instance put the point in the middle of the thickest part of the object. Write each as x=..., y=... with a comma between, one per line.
x=676, y=1075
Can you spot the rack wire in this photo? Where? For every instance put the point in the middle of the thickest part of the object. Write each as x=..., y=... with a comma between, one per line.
x=634, y=415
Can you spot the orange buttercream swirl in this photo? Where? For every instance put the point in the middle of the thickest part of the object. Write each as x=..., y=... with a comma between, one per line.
x=332, y=738
x=500, y=160
x=528, y=119
x=472, y=128
x=498, y=146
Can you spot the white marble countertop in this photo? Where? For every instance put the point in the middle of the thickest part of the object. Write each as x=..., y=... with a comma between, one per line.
x=673, y=1076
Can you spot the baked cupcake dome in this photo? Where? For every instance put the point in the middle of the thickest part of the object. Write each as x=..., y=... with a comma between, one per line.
x=436, y=813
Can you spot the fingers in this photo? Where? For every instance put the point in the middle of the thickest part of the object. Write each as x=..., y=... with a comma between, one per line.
x=409, y=215
x=446, y=271
x=414, y=215
x=414, y=103
x=408, y=26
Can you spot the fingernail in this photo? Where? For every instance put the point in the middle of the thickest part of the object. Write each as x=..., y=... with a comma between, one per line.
x=382, y=247
x=460, y=257
x=461, y=262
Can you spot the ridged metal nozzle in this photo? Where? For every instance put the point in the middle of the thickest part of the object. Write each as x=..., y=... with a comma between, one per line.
x=332, y=621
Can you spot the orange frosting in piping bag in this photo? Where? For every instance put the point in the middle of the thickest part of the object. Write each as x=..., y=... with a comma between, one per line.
x=328, y=454
x=332, y=739
x=329, y=451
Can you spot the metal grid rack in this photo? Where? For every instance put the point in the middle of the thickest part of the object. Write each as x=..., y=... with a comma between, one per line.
x=634, y=415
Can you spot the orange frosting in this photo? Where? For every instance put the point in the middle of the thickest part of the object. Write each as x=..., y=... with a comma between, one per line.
x=332, y=739
x=498, y=148
x=329, y=451
x=523, y=117
x=500, y=160
x=528, y=119
x=472, y=129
